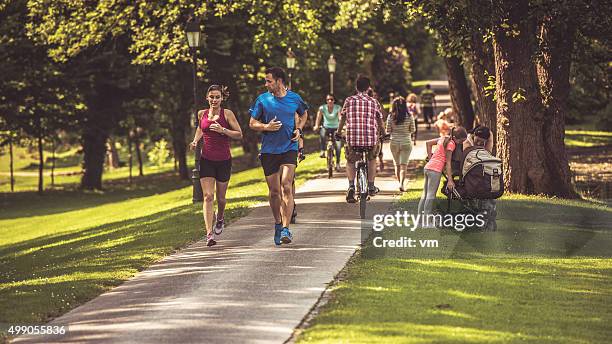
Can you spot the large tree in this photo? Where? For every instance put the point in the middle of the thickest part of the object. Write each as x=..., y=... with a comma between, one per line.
x=520, y=115
x=482, y=74
x=459, y=91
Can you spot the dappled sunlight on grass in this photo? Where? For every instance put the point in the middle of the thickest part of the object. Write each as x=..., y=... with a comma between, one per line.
x=545, y=276
x=408, y=332
x=442, y=301
x=587, y=138
x=62, y=249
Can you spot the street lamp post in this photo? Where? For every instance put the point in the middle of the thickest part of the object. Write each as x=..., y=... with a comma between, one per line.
x=192, y=31
x=290, y=64
x=331, y=66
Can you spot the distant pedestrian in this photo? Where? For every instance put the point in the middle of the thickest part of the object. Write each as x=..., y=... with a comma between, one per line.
x=428, y=105
x=413, y=109
x=451, y=115
x=217, y=126
x=401, y=126
x=442, y=125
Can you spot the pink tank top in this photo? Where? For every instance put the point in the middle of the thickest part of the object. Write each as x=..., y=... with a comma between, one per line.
x=216, y=146
x=438, y=158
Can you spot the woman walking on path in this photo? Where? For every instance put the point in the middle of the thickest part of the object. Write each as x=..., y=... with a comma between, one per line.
x=400, y=124
x=217, y=126
x=438, y=161
x=413, y=109
x=329, y=113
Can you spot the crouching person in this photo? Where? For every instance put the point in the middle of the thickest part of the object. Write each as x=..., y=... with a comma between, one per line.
x=481, y=138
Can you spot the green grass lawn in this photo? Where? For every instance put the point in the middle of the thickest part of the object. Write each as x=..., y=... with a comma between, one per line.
x=587, y=138
x=544, y=277
x=67, y=247
x=68, y=169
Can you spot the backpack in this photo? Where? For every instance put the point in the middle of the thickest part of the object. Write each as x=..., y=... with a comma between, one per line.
x=482, y=175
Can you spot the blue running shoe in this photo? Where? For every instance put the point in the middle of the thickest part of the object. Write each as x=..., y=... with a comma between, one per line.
x=286, y=236
x=278, y=228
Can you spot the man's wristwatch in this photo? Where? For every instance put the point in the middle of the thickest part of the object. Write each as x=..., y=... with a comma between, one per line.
x=301, y=132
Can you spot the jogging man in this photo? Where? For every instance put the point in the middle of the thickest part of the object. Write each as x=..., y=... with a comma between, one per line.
x=364, y=124
x=274, y=114
x=428, y=104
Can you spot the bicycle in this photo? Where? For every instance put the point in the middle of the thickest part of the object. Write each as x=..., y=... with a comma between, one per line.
x=331, y=154
x=361, y=166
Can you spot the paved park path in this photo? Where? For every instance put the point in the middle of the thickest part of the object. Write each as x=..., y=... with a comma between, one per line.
x=244, y=290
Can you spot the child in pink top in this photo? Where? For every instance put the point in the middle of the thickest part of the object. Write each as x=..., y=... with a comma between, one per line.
x=438, y=161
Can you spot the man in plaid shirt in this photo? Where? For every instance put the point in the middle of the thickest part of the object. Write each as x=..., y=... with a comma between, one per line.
x=363, y=118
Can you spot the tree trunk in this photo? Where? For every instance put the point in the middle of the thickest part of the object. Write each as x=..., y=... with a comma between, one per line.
x=483, y=66
x=179, y=144
x=520, y=116
x=553, y=68
x=41, y=160
x=104, y=102
x=138, y=155
x=459, y=92
x=11, y=164
x=114, y=154
x=52, y=162
x=94, y=151
x=129, y=139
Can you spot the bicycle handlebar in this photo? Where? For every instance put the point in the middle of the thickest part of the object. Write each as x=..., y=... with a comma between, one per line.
x=382, y=138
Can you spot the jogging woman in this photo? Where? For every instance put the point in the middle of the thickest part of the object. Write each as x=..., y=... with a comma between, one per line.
x=217, y=126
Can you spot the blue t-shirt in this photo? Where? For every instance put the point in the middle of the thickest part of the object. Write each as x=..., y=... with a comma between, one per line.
x=266, y=107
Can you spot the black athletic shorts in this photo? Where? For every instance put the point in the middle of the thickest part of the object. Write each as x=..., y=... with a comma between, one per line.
x=271, y=163
x=220, y=170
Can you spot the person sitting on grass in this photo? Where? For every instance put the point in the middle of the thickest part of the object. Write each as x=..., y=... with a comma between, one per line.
x=439, y=160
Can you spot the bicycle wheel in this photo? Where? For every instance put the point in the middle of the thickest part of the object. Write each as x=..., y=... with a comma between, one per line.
x=363, y=191
x=330, y=162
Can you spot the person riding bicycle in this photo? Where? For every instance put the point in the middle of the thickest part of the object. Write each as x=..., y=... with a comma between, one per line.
x=364, y=124
x=329, y=113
